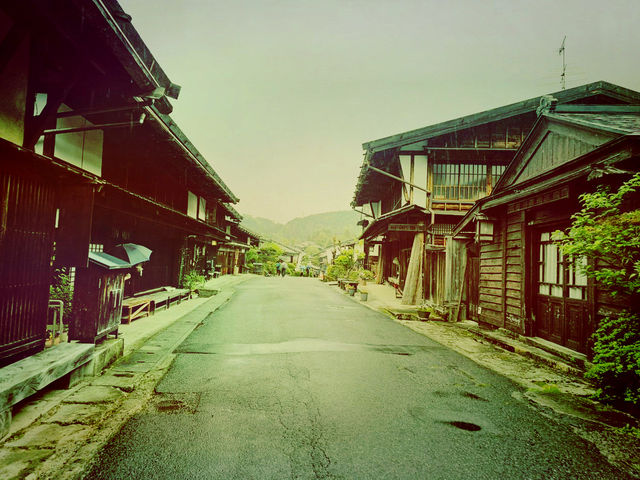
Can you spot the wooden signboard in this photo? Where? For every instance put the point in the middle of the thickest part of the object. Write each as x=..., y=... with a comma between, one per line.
x=537, y=200
x=406, y=227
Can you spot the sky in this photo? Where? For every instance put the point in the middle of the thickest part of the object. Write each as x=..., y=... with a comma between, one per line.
x=280, y=95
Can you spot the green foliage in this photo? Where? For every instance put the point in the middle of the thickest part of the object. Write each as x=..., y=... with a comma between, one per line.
x=366, y=274
x=344, y=266
x=269, y=267
x=334, y=272
x=267, y=255
x=193, y=280
x=616, y=363
x=630, y=430
x=61, y=289
x=606, y=233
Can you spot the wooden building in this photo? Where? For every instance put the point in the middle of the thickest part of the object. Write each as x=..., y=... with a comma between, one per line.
x=415, y=187
x=89, y=159
x=522, y=280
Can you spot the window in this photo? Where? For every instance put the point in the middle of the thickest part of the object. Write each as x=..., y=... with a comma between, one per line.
x=192, y=205
x=202, y=209
x=577, y=279
x=459, y=181
x=552, y=266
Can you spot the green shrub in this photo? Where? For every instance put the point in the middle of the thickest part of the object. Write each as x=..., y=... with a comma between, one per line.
x=61, y=289
x=193, y=280
x=366, y=274
x=606, y=232
x=616, y=361
x=334, y=272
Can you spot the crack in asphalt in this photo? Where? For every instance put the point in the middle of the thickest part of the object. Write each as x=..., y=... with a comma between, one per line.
x=302, y=427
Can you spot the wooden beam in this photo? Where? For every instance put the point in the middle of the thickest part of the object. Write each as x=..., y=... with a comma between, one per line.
x=83, y=112
x=59, y=131
x=382, y=172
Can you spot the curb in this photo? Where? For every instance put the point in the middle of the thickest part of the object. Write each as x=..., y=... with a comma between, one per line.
x=85, y=420
x=526, y=347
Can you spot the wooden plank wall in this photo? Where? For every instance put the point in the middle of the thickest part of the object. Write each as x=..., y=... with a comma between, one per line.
x=502, y=282
x=515, y=268
x=492, y=281
x=435, y=268
x=27, y=217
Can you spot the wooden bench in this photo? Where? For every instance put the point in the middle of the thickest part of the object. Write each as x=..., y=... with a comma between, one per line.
x=29, y=375
x=146, y=303
x=344, y=283
x=133, y=308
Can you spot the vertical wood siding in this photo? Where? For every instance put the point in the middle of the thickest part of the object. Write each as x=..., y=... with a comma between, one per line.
x=27, y=218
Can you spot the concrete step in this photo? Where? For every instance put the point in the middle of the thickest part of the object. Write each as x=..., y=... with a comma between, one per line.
x=523, y=347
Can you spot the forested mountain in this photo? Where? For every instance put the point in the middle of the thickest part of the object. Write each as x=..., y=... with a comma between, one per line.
x=321, y=228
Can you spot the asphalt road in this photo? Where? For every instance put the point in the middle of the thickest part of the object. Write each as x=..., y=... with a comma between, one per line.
x=292, y=379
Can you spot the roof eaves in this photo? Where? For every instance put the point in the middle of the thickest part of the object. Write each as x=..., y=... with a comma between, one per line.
x=131, y=51
x=574, y=119
x=506, y=111
x=192, y=152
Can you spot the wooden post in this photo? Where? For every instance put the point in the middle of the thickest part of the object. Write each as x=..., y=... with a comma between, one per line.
x=413, y=284
x=380, y=272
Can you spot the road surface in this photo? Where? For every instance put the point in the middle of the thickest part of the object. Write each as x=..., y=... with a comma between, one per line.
x=292, y=379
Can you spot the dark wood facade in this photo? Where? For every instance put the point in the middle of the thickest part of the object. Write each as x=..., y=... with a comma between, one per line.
x=524, y=282
x=27, y=217
x=89, y=158
x=446, y=168
x=98, y=306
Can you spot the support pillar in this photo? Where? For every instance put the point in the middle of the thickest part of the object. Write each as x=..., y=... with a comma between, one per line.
x=412, y=294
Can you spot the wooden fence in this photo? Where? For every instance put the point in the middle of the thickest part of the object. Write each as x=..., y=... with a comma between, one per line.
x=27, y=221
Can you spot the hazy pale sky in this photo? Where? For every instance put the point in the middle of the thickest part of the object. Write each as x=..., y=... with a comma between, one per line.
x=279, y=95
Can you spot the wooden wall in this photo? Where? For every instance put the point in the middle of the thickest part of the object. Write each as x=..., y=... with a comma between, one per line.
x=492, y=280
x=97, y=305
x=27, y=218
x=514, y=272
x=502, y=281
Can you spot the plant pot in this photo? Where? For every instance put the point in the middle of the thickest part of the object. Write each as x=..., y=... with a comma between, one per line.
x=364, y=296
x=207, y=292
x=352, y=292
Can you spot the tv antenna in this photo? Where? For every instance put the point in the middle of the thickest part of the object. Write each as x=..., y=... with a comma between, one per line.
x=564, y=64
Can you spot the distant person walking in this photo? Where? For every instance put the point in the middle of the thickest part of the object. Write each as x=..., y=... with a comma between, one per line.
x=278, y=268
x=283, y=267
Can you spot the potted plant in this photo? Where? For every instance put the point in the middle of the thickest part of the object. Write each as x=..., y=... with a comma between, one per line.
x=352, y=290
x=364, y=294
x=424, y=313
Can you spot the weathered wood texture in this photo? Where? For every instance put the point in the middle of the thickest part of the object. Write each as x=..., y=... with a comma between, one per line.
x=492, y=278
x=514, y=273
x=412, y=293
x=436, y=271
x=97, y=306
x=25, y=377
x=502, y=265
x=27, y=217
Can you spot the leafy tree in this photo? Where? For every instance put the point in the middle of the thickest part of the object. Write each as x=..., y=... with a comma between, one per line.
x=267, y=255
x=345, y=266
x=606, y=232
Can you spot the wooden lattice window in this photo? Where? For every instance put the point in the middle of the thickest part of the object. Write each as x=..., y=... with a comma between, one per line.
x=452, y=181
x=555, y=272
